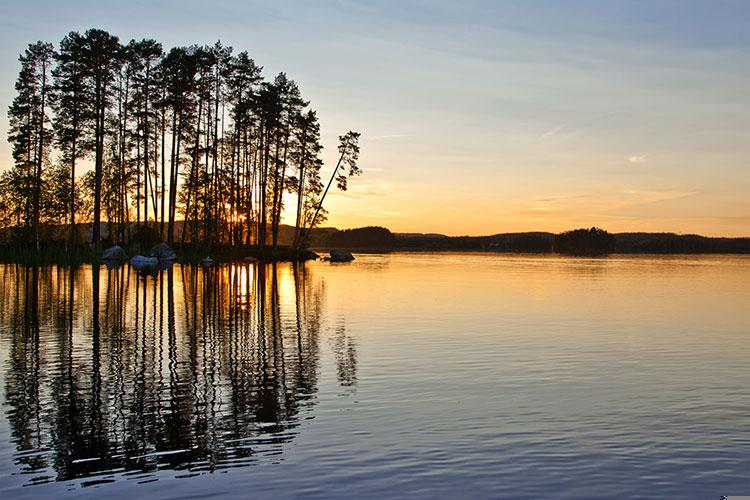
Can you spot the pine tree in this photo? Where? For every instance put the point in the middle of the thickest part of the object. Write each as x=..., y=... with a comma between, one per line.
x=29, y=132
x=72, y=107
x=101, y=59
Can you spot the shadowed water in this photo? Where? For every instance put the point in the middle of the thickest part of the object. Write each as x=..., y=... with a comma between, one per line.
x=431, y=375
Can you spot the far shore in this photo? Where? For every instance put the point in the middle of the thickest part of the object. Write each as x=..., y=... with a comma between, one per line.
x=285, y=254
x=374, y=239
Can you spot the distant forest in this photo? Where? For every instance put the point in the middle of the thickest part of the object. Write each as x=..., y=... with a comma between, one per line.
x=192, y=133
x=578, y=242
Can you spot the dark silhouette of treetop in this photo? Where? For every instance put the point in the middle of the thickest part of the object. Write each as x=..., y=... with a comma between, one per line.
x=592, y=241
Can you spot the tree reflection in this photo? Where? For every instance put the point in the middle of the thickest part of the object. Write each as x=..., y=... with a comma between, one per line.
x=192, y=369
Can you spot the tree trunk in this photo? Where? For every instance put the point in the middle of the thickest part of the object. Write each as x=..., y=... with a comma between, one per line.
x=172, y=174
x=146, y=180
x=263, y=190
x=322, y=198
x=163, y=176
x=98, y=136
x=300, y=191
x=38, y=174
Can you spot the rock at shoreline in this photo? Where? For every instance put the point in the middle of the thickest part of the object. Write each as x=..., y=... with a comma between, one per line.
x=207, y=262
x=249, y=259
x=140, y=262
x=340, y=256
x=115, y=253
x=162, y=251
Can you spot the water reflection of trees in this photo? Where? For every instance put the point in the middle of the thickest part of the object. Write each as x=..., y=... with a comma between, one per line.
x=110, y=373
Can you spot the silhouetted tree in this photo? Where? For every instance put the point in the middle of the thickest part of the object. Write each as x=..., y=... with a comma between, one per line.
x=72, y=107
x=56, y=196
x=101, y=58
x=307, y=157
x=242, y=80
x=290, y=110
x=29, y=128
x=178, y=70
x=345, y=167
x=143, y=56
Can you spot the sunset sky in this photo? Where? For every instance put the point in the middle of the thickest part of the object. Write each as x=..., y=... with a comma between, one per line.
x=485, y=117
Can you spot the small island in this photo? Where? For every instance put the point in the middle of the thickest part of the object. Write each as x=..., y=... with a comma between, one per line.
x=133, y=144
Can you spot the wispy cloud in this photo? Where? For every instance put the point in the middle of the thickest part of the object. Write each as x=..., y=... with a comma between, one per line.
x=371, y=212
x=386, y=136
x=642, y=197
x=637, y=159
x=558, y=205
x=552, y=132
x=357, y=191
x=599, y=204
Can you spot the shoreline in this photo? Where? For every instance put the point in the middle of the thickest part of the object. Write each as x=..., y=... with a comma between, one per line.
x=268, y=257
x=365, y=250
x=84, y=254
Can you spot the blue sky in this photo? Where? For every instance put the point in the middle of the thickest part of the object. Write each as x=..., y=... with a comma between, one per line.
x=485, y=117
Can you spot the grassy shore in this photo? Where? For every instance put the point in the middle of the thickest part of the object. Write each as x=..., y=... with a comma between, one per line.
x=226, y=253
x=81, y=254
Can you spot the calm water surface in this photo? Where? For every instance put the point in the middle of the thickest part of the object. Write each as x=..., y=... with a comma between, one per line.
x=420, y=375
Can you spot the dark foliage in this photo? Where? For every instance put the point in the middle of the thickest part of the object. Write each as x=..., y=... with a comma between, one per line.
x=678, y=243
x=143, y=237
x=50, y=252
x=579, y=242
x=363, y=237
x=592, y=241
x=513, y=242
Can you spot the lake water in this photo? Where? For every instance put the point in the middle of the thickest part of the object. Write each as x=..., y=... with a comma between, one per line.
x=414, y=375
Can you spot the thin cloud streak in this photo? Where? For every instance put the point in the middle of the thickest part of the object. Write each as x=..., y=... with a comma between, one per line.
x=552, y=132
x=386, y=136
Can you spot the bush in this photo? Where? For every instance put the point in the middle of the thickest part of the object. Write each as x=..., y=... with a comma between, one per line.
x=143, y=238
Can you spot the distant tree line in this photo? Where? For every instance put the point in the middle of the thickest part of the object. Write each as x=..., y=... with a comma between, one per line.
x=193, y=132
x=593, y=241
x=532, y=242
x=678, y=243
